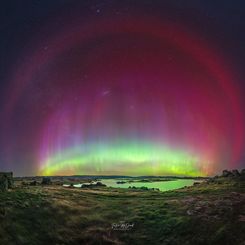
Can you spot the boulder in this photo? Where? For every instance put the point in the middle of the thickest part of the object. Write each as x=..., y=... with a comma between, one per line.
x=9, y=176
x=235, y=173
x=227, y=173
x=243, y=172
x=3, y=183
x=100, y=184
x=6, y=180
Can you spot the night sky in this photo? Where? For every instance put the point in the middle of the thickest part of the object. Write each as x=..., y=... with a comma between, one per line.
x=122, y=87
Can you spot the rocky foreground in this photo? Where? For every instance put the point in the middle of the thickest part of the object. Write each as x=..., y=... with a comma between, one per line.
x=212, y=212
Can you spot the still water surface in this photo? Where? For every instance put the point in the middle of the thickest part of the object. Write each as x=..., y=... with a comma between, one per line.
x=161, y=185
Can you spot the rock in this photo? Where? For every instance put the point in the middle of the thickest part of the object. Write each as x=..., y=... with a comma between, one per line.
x=3, y=183
x=100, y=184
x=227, y=173
x=243, y=172
x=46, y=181
x=6, y=180
x=235, y=173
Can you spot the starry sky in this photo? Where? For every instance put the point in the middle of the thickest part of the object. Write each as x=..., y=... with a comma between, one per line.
x=122, y=87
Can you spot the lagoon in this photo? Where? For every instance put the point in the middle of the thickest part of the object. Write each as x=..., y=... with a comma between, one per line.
x=161, y=185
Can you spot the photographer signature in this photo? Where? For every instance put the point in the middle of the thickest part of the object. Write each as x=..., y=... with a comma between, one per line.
x=122, y=226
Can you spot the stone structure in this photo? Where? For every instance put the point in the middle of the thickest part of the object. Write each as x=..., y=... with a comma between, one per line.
x=6, y=181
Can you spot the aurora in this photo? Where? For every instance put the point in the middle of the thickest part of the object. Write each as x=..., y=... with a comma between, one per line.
x=140, y=93
x=133, y=158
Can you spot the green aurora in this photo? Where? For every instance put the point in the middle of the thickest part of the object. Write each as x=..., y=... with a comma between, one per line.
x=119, y=158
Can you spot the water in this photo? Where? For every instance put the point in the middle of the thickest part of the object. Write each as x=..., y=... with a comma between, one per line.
x=161, y=185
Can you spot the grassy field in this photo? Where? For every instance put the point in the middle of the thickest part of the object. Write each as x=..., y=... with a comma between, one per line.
x=211, y=213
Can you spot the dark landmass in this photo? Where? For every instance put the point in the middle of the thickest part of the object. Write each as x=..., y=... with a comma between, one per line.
x=210, y=212
x=143, y=180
